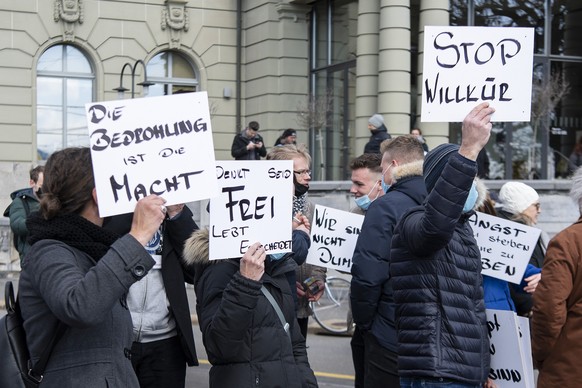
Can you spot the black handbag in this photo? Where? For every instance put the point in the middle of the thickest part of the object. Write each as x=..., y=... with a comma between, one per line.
x=15, y=368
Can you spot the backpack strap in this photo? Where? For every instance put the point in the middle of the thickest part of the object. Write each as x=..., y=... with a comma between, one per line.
x=275, y=305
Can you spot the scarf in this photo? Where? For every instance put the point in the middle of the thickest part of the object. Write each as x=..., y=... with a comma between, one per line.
x=73, y=230
x=299, y=204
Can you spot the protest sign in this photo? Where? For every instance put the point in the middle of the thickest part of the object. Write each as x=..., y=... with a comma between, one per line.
x=156, y=145
x=464, y=66
x=525, y=342
x=505, y=246
x=334, y=234
x=254, y=204
x=509, y=367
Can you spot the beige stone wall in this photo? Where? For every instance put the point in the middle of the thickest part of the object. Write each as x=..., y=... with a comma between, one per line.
x=274, y=72
x=274, y=64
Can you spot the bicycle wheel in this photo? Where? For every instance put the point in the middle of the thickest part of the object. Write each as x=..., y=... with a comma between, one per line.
x=332, y=310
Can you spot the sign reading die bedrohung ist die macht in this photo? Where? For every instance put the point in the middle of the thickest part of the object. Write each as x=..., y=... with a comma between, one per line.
x=334, y=234
x=254, y=205
x=465, y=66
x=505, y=246
x=155, y=145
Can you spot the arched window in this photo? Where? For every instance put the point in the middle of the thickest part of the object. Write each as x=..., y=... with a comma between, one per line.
x=172, y=73
x=64, y=84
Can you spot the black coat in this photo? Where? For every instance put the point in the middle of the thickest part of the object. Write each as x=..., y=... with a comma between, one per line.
x=243, y=336
x=239, y=151
x=377, y=137
x=436, y=272
x=372, y=298
x=174, y=271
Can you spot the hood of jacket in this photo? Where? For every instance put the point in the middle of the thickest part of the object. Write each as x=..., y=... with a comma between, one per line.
x=24, y=193
x=407, y=170
x=196, y=249
x=378, y=130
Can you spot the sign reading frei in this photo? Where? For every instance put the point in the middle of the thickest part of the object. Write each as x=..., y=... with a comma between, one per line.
x=464, y=66
x=254, y=204
x=155, y=145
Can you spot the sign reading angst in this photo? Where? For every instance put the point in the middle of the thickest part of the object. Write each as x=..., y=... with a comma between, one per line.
x=464, y=66
x=156, y=145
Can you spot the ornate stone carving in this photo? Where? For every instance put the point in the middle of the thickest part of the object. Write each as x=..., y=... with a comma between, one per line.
x=69, y=12
x=175, y=18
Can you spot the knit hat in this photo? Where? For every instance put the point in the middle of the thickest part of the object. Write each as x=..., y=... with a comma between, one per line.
x=377, y=120
x=435, y=162
x=515, y=197
x=254, y=125
x=288, y=132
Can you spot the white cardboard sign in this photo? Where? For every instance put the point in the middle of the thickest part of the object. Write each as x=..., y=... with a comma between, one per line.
x=334, y=234
x=254, y=204
x=505, y=246
x=464, y=66
x=509, y=351
x=156, y=145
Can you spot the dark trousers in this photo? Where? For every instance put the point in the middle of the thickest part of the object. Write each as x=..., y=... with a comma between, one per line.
x=358, y=357
x=374, y=365
x=159, y=364
x=303, y=323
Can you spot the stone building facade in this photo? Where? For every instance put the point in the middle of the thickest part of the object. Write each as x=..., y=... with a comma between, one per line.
x=257, y=60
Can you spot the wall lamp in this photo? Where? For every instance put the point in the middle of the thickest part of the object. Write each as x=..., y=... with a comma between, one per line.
x=145, y=84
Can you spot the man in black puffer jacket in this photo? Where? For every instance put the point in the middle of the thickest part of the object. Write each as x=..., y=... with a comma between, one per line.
x=436, y=270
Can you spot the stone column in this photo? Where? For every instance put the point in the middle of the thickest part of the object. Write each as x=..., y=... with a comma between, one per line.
x=394, y=65
x=432, y=13
x=367, y=70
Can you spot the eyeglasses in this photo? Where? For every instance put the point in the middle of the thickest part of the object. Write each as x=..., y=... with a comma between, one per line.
x=303, y=172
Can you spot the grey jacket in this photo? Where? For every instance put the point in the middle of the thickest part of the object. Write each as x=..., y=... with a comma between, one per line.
x=59, y=282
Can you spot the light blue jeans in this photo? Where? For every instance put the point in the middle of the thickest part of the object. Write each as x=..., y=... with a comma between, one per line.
x=406, y=382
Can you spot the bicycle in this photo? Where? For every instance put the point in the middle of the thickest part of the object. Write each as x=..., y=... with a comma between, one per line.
x=332, y=311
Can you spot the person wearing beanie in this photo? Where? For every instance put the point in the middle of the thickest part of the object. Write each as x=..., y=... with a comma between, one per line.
x=521, y=203
x=497, y=292
x=435, y=267
x=248, y=145
x=379, y=133
x=289, y=136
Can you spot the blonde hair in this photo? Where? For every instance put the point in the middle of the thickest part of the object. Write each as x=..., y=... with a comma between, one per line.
x=289, y=152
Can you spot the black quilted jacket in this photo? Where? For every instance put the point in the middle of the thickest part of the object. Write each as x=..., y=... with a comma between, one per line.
x=436, y=272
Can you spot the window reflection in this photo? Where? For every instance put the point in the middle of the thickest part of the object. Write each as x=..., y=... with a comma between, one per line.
x=65, y=83
x=171, y=72
x=539, y=148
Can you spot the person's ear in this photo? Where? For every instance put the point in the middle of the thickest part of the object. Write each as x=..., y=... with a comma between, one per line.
x=94, y=195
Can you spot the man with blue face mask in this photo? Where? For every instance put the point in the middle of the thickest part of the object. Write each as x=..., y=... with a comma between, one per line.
x=371, y=292
x=366, y=178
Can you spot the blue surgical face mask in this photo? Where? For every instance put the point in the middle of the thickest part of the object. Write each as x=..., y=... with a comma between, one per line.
x=385, y=186
x=277, y=256
x=364, y=201
x=471, y=199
